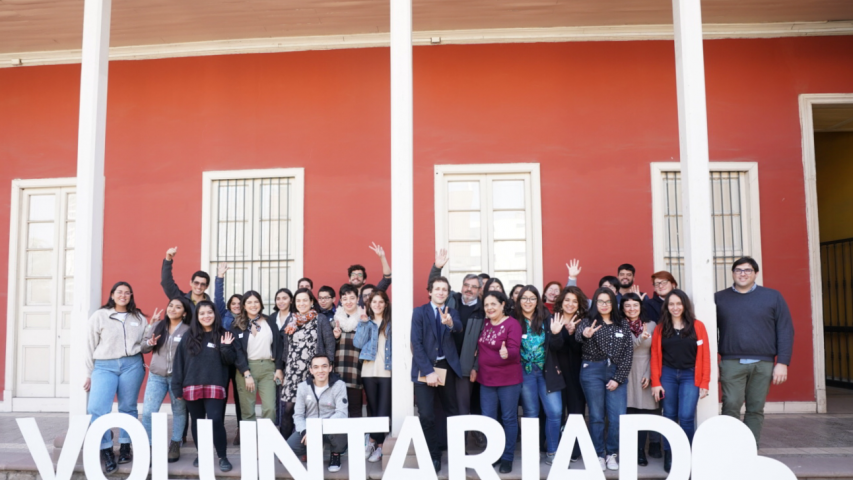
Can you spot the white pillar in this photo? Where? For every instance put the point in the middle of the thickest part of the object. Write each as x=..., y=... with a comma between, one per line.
x=402, y=210
x=89, y=237
x=695, y=179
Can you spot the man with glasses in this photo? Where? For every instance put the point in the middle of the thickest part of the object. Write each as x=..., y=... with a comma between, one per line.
x=326, y=299
x=755, y=331
x=198, y=284
x=358, y=274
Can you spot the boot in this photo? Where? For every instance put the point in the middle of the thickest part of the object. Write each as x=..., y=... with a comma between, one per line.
x=125, y=454
x=174, y=451
x=641, y=458
x=109, y=457
x=237, y=437
x=654, y=449
x=667, y=460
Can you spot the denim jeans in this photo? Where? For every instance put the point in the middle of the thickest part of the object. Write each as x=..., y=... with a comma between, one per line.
x=602, y=402
x=680, y=398
x=507, y=398
x=155, y=391
x=122, y=377
x=532, y=391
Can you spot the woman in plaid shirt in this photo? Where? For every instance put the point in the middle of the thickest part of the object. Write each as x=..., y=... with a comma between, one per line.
x=347, y=364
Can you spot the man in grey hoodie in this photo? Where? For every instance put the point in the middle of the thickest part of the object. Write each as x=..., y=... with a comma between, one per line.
x=323, y=394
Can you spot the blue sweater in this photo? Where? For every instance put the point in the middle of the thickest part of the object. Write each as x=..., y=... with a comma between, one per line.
x=755, y=325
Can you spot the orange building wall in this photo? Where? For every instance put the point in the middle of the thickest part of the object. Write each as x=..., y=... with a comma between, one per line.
x=592, y=114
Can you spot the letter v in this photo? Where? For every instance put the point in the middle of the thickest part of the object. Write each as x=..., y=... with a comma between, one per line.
x=70, y=449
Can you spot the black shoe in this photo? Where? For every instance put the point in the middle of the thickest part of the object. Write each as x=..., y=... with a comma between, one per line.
x=109, y=457
x=667, y=460
x=655, y=450
x=497, y=462
x=125, y=454
x=641, y=458
x=335, y=462
x=224, y=465
x=436, y=464
x=195, y=462
x=506, y=466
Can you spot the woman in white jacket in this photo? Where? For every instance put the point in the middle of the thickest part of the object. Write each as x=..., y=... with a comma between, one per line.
x=114, y=365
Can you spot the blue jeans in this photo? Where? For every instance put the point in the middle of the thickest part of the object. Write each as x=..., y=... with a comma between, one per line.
x=680, y=398
x=155, y=391
x=507, y=397
x=602, y=402
x=122, y=377
x=532, y=391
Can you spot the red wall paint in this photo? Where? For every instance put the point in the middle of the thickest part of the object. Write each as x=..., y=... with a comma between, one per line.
x=592, y=114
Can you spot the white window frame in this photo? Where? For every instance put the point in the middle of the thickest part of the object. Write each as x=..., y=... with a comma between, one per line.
x=8, y=404
x=535, y=202
x=297, y=209
x=751, y=206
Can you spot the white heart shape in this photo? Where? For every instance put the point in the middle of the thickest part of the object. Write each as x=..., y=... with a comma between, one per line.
x=724, y=448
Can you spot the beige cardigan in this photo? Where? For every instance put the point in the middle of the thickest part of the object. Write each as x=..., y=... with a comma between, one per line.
x=110, y=338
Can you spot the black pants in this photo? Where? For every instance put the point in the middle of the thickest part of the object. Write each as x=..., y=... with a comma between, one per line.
x=425, y=397
x=214, y=410
x=642, y=435
x=231, y=372
x=378, y=392
x=354, y=399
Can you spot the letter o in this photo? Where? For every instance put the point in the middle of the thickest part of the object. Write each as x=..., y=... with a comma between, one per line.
x=138, y=438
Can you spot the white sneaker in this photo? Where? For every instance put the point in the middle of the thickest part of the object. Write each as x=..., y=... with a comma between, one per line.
x=603, y=464
x=376, y=455
x=368, y=450
x=612, y=462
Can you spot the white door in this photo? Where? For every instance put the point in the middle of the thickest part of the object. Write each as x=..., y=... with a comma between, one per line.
x=45, y=293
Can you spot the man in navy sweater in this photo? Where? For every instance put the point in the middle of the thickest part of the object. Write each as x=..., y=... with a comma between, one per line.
x=756, y=331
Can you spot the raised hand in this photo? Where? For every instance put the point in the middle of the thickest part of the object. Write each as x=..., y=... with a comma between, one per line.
x=227, y=338
x=378, y=250
x=221, y=269
x=170, y=253
x=503, y=351
x=589, y=331
x=646, y=334
x=572, y=324
x=574, y=268
x=441, y=258
x=155, y=317
x=636, y=289
x=362, y=314
x=446, y=319
x=556, y=324
x=337, y=330
x=153, y=340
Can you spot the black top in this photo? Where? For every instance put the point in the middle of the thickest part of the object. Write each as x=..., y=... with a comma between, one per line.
x=209, y=367
x=612, y=342
x=465, y=312
x=678, y=352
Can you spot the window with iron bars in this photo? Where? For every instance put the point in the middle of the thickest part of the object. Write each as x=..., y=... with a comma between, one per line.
x=731, y=224
x=251, y=231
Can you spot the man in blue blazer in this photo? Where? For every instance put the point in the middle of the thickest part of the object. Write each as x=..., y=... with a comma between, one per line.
x=433, y=347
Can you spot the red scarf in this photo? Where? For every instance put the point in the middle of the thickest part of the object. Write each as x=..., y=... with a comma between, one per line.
x=299, y=320
x=637, y=327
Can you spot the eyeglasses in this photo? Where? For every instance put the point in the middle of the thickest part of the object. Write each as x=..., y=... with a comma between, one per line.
x=661, y=283
x=324, y=298
x=604, y=303
x=744, y=271
x=528, y=299
x=357, y=275
x=200, y=284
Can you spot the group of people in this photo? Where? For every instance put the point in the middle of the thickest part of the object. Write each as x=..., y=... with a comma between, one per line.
x=484, y=350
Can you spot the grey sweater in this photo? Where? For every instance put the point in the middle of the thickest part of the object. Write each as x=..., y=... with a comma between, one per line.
x=755, y=325
x=332, y=403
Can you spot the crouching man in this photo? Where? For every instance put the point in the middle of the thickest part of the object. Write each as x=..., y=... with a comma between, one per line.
x=322, y=395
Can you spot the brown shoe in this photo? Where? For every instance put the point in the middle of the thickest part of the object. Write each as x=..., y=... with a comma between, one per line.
x=174, y=451
x=237, y=438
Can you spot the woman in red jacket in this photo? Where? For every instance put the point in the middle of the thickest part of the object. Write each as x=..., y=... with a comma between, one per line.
x=681, y=365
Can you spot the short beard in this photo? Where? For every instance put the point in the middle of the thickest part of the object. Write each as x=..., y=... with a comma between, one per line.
x=622, y=285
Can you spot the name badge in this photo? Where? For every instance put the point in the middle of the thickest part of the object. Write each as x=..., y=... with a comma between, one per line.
x=134, y=324
x=210, y=345
x=524, y=336
x=700, y=342
x=240, y=336
x=619, y=335
x=178, y=338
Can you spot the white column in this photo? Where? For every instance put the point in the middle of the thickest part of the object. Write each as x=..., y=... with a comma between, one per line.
x=695, y=179
x=402, y=210
x=89, y=237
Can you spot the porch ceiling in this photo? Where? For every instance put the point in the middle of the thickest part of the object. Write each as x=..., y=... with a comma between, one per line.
x=44, y=25
x=833, y=118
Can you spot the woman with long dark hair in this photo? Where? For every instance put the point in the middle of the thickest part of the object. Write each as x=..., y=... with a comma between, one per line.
x=163, y=340
x=570, y=308
x=607, y=354
x=306, y=334
x=640, y=399
x=681, y=365
x=373, y=338
x=200, y=374
x=542, y=381
x=114, y=365
x=257, y=355
x=283, y=309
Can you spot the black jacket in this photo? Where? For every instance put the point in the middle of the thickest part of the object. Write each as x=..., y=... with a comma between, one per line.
x=170, y=288
x=241, y=346
x=209, y=367
x=554, y=381
x=325, y=339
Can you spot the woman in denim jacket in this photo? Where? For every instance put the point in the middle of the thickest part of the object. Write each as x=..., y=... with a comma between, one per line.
x=373, y=337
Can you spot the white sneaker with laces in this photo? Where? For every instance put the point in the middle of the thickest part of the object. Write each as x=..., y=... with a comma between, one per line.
x=603, y=463
x=376, y=455
x=612, y=462
x=368, y=450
